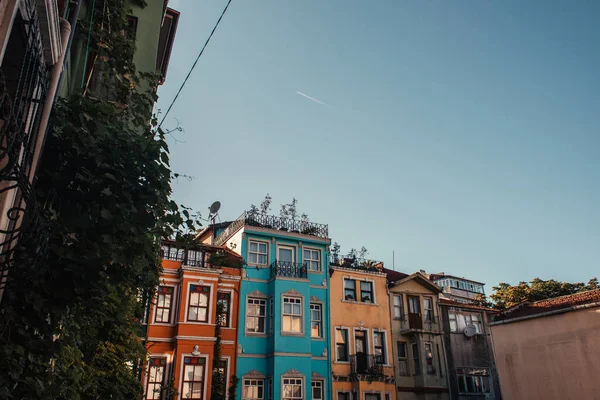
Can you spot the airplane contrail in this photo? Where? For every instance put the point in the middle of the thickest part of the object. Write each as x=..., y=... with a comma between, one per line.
x=313, y=99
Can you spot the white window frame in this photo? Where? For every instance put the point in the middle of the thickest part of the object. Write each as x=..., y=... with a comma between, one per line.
x=258, y=253
x=295, y=378
x=317, y=307
x=260, y=299
x=453, y=321
x=399, y=307
x=257, y=380
x=345, y=278
x=293, y=248
x=386, y=356
x=308, y=261
x=478, y=325
x=293, y=300
x=425, y=309
x=321, y=382
x=370, y=282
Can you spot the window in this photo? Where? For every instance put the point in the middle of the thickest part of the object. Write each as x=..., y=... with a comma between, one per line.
x=312, y=258
x=453, y=324
x=372, y=396
x=257, y=254
x=253, y=389
x=341, y=344
x=271, y=314
x=398, y=309
x=474, y=319
x=416, y=361
x=316, y=321
x=224, y=299
x=366, y=292
x=255, y=315
x=388, y=396
x=473, y=380
x=349, y=289
x=343, y=396
x=317, y=390
x=270, y=387
x=292, y=315
x=194, y=258
x=221, y=368
x=198, y=304
x=428, y=308
x=292, y=389
x=402, y=358
x=163, y=304
x=429, y=358
x=286, y=254
x=193, y=378
x=156, y=373
x=379, y=347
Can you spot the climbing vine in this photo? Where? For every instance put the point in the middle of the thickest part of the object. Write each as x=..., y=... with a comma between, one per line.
x=70, y=330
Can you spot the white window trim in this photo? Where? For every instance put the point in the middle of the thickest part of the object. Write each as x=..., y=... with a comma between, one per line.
x=372, y=289
x=349, y=330
x=173, y=307
x=231, y=302
x=294, y=247
x=344, y=391
x=402, y=313
x=366, y=392
x=386, y=345
x=318, y=271
x=424, y=311
x=356, y=289
x=303, y=378
x=302, y=315
x=204, y=379
x=211, y=303
x=323, y=388
x=258, y=297
x=320, y=305
x=268, y=253
x=357, y=281
x=255, y=378
x=167, y=371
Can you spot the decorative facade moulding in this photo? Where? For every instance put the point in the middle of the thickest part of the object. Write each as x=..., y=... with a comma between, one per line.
x=257, y=293
x=316, y=375
x=292, y=292
x=315, y=299
x=254, y=374
x=294, y=373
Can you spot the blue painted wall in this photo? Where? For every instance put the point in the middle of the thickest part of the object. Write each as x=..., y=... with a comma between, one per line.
x=274, y=354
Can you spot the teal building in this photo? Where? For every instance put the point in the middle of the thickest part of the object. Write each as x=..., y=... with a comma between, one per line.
x=283, y=340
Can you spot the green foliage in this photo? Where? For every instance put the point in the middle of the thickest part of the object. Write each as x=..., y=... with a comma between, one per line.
x=506, y=295
x=218, y=386
x=69, y=330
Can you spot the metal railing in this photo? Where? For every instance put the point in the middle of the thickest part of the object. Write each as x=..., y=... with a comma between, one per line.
x=366, y=364
x=288, y=269
x=189, y=257
x=273, y=222
x=420, y=323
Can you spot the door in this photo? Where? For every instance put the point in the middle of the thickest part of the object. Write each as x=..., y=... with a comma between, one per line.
x=360, y=347
x=414, y=313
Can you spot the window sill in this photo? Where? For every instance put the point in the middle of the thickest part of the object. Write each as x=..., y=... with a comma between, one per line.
x=314, y=272
x=255, y=334
x=296, y=334
x=317, y=339
x=359, y=302
x=342, y=362
x=260, y=266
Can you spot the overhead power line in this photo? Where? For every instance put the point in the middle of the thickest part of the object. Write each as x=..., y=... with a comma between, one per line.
x=194, y=65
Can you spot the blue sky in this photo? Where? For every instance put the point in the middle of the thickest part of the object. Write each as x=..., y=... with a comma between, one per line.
x=463, y=135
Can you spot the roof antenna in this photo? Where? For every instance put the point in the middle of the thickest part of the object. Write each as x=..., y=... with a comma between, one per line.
x=393, y=260
x=212, y=215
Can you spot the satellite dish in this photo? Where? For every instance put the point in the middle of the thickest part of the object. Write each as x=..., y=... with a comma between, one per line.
x=215, y=207
x=470, y=330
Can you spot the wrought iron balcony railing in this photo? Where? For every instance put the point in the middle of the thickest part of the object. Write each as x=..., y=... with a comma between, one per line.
x=288, y=269
x=272, y=222
x=366, y=364
x=420, y=323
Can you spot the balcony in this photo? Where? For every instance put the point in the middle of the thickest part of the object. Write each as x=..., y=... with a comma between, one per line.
x=366, y=364
x=288, y=269
x=418, y=323
x=273, y=222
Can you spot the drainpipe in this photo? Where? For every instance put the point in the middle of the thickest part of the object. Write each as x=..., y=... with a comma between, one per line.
x=65, y=32
x=328, y=347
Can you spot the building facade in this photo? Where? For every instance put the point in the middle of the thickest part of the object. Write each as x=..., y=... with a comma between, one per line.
x=419, y=353
x=548, y=349
x=361, y=332
x=467, y=339
x=197, y=300
x=283, y=341
x=458, y=289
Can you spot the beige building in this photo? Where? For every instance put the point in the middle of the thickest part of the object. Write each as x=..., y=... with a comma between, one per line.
x=361, y=342
x=549, y=349
x=419, y=355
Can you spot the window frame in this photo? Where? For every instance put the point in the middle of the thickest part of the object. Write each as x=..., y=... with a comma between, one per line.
x=321, y=382
x=383, y=347
x=370, y=292
x=292, y=300
x=228, y=316
x=183, y=380
x=478, y=324
x=256, y=301
x=429, y=361
x=198, y=307
x=414, y=348
x=353, y=289
x=399, y=307
x=164, y=363
x=346, y=345
x=316, y=307
x=403, y=359
x=429, y=312
x=453, y=320
x=260, y=383
x=460, y=373
x=257, y=253
x=169, y=309
x=309, y=261
x=293, y=248
x=296, y=379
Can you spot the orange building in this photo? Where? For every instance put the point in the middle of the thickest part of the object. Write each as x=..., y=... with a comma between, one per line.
x=361, y=332
x=183, y=318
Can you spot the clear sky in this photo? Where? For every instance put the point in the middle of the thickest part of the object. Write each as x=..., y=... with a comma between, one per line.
x=463, y=135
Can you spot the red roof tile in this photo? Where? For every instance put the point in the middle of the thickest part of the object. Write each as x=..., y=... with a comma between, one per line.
x=527, y=309
x=452, y=303
x=393, y=276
